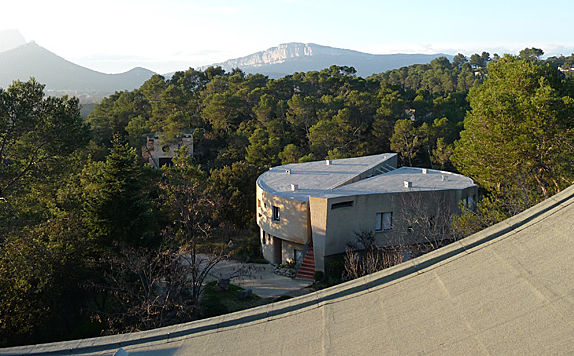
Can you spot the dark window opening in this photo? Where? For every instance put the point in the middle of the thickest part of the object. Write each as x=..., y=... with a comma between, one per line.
x=343, y=204
x=276, y=212
x=165, y=162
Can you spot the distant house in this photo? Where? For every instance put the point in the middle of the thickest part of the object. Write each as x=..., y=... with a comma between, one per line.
x=320, y=206
x=160, y=154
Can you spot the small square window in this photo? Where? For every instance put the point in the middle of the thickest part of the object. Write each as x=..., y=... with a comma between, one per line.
x=384, y=221
x=276, y=212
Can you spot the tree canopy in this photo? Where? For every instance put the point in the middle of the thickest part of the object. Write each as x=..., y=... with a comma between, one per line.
x=35, y=132
x=518, y=136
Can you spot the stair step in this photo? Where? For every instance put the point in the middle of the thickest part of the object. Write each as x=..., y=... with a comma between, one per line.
x=305, y=275
x=307, y=268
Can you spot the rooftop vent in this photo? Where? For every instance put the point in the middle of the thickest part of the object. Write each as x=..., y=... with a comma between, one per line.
x=444, y=178
x=424, y=171
x=294, y=187
x=328, y=162
x=288, y=171
x=408, y=184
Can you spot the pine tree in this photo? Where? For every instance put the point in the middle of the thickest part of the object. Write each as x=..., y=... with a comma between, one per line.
x=518, y=138
x=115, y=205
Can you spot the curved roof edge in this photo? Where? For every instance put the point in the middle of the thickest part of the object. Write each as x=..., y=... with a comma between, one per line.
x=367, y=284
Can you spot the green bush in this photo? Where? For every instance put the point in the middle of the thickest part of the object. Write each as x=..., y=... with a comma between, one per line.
x=213, y=307
x=334, y=268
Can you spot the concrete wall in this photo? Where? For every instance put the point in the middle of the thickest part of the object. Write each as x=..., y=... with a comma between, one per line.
x=334, y=228
x=154, y=151
x=318, y=209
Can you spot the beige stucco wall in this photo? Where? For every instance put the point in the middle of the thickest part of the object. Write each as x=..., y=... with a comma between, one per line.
x=293, y=224
x=293, y=227
x=271, y=244
x=288, y=251
x=318, y=213
x=267, y=247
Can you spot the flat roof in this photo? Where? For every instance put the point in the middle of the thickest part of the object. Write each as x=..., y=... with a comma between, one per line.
x=317, y=179
x=421, y=179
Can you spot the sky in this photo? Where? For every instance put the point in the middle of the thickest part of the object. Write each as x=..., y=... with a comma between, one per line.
x=113, y=36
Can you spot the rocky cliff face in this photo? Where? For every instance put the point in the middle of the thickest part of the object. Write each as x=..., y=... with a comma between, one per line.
x=288, y=58
x=283, y=53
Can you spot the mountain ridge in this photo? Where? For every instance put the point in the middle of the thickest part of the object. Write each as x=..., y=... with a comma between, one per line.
x=284, y=58
x=61, y=75
x=64, y=77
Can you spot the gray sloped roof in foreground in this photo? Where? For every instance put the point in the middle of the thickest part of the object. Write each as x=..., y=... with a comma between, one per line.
x=506, y=290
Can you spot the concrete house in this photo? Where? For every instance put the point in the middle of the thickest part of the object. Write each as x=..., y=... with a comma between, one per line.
x=160, y=154
x=318, y=207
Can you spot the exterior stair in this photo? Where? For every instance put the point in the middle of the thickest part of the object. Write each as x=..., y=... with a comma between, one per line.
x=307, y=269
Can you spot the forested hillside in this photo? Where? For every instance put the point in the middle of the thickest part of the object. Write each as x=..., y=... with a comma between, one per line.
x=91, y=237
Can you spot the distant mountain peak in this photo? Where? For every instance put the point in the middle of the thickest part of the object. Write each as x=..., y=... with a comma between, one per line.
x=287, y=58
x=60, y=75
x=282, y=53
x=10, y=39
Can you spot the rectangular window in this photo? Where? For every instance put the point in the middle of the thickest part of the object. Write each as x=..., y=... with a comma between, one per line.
x=343, y=204
x=276, y=212
x=298, y=254
x=384, y=221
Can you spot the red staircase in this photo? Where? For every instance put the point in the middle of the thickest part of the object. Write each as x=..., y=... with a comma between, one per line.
x=307, y=269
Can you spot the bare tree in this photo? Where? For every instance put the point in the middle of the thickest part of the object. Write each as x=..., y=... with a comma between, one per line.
x=148, y=288
x=365, y=256
x=192, y=211
x=426, y=220
x=157, y=287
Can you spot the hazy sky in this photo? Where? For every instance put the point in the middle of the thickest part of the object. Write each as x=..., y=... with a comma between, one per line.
x=165, y=35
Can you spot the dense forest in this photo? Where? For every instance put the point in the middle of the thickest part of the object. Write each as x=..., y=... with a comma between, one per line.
x=91, y=235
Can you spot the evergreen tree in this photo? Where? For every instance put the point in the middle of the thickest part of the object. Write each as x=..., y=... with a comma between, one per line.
x=518, y=138
x=115, y=206
x=36, y=134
